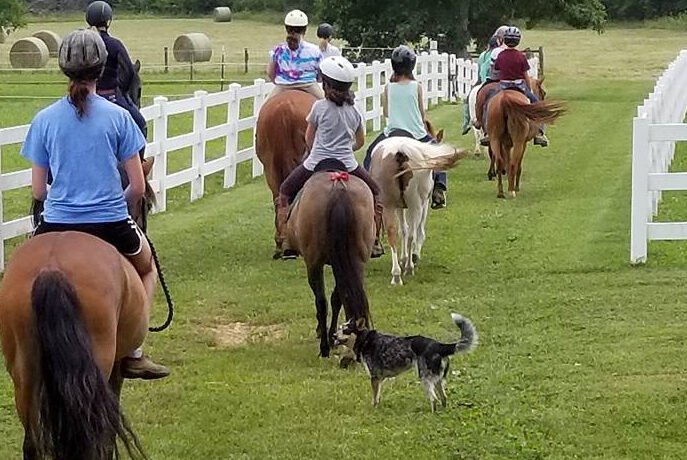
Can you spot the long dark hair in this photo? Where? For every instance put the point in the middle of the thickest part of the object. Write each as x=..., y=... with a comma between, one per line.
x=78, y=88
x=396, y=76
x=338, y=96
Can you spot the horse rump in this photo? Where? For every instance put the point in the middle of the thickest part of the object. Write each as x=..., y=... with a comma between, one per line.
x=542, y=112
x=79, y=415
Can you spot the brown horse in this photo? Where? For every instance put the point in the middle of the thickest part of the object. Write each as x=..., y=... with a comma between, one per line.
x=71, y=307
x=333, y=223
x=511, y=122
x=280, y=141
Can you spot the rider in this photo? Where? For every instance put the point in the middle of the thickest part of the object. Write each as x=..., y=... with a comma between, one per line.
x=294, y=63
x=405, y=112
x=325, y=32
x=111, y=84
x=512, y=67
x=483, y=64
x=81, y=138
x=335, y=130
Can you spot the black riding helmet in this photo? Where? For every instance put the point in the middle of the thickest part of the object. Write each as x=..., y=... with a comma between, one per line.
x=98, y=14
x=325, y=30
x=403, y=60
x=512, y=37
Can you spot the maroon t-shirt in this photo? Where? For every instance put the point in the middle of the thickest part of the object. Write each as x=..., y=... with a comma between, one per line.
x=511, y=64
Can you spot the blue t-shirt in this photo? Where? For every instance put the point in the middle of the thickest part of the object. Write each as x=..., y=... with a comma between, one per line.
x=82, y=154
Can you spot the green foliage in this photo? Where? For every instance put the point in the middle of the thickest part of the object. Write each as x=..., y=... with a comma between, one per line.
x=644, y=9
x=12, y=14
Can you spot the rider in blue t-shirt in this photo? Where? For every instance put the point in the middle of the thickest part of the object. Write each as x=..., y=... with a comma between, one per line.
x=81, y=139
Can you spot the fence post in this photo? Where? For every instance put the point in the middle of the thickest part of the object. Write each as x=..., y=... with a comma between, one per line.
x=258, y=99
x=640, y=190
x=445, y=73
x=360, y=93
x=434, y=76
x=160, y=165
x=2, y=221
x=232, y=144
x=377, y=68
x=200, y=117
x=541, y=60
x=166, y=59
x=424, y=66
x=221, y=76
x=245, y=60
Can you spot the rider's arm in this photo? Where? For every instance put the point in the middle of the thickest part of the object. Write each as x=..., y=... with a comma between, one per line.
x=310, y=135
x=421, y=101
x=39, y=182
x=136, y=188
x=271, y=70
x=385, y=102
x=125, y=60
x=359, y=138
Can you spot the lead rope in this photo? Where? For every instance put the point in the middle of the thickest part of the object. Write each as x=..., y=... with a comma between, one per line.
x=165, y=289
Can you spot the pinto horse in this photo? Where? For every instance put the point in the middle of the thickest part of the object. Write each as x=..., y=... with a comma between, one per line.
x=512, y=121
x=280, y=141
x=71, y=307
x=333, y=223
x=402, y=167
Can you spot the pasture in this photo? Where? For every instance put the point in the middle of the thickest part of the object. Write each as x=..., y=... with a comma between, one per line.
x=580, y=355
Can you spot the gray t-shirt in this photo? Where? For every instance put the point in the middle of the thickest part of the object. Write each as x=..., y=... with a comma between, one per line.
x=335, y=132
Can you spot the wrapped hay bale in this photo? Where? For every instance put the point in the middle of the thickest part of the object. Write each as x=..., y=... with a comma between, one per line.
x=193, y=47
x=29, y=53
x=51, y=40
x=222, y=14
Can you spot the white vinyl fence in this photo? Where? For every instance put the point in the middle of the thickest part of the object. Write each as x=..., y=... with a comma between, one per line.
x=658, y=125
x=444, y=77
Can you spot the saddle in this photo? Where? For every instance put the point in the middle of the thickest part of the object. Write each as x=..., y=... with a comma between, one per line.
x=513, y=86
x=328, y=164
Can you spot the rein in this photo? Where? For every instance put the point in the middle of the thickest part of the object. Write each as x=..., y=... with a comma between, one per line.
x=165, y=289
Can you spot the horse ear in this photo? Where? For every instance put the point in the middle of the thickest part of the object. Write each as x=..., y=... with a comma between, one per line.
x=137, y=65
x=360, y=324
x=440, y=135
x=148, y=166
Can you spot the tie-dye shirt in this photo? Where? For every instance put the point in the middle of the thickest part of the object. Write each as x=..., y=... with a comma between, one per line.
x=294, y=67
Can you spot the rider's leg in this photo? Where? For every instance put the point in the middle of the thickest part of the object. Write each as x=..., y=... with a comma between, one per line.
x=315, y=90
x=276, y=89
x=539, y=139
x=287, y=192
x=439, y=193
x=377, y=248
x=466, y=117
x=370, y=149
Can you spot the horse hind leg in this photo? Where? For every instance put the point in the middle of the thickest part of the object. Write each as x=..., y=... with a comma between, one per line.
x=316, y=281
x=391, y=226
x=497, y=162
x=515, y=168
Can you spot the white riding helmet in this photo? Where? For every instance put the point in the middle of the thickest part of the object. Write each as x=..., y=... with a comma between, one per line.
x=501, y=31
x=337, y=68
x=296, y=18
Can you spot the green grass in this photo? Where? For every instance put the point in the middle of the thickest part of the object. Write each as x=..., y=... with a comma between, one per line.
x=580, y=355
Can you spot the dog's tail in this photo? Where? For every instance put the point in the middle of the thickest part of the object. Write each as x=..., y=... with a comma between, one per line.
x=468, y=334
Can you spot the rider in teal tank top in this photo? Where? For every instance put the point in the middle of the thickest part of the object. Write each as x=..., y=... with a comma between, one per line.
x=402, y=103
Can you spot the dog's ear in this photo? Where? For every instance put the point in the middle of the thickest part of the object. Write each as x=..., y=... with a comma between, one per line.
x=360, y=324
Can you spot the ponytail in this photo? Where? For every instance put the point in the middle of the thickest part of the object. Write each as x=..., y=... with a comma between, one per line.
x=338, y=96
x=78, y=95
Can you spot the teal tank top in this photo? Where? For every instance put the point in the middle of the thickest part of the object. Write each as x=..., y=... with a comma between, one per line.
x=404, y=112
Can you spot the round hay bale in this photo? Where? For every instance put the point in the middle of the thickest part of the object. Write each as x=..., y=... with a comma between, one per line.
x=193, y=47
x=29, y=53
x=222, y=14
x=51, y=40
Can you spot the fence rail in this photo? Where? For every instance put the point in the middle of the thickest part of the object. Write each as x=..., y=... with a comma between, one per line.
x=444, y=78
x=659, y=124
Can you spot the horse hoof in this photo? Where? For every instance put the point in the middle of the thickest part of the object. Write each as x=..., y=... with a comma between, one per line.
x=277, y=254
x=324, y=353
x=396, y=280
x=512, y=194
x=501, y=195
x=415, y=258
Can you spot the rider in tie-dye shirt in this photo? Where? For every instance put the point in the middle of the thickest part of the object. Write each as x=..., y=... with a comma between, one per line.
x=295, y=63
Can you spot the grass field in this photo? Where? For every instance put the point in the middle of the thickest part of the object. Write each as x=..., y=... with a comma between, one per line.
x=580, y=355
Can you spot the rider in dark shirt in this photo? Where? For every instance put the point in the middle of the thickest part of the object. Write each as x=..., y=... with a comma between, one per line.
x=113, y=83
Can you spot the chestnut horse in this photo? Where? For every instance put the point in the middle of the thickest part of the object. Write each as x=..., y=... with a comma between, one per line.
x=71, y=307
x=512, y=121
x=333, y=223
x=402, y=167
x=280, y=141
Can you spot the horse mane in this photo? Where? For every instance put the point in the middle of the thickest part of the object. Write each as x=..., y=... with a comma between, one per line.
x=421, y=155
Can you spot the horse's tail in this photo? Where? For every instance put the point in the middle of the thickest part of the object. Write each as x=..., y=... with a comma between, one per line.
x=343, y=253
x=542, y=112
x=79, y=414
x=422, y=155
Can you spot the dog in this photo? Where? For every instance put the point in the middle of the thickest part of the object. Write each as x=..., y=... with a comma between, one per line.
x=386, y=356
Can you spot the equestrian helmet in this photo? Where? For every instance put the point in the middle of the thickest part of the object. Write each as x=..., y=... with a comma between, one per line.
x=81, y=50
x=337, y=71
x=296, y=18
x=493, y=42
x=325, y=30
x=98, y=13
x=501, y=31
x=512, y=36
x=403, y=59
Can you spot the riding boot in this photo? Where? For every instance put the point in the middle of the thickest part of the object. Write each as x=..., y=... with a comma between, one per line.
x=377, y=248
x=282, y=218
x=541, y=139
x=466, y=118
x=142, y=368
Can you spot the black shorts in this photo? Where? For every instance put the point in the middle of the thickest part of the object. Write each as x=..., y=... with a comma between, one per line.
x=123, y=235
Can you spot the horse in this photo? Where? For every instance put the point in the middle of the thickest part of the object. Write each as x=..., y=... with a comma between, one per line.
x=512, y=121
x=134, y=91
x=478, y=133
x=332, y=222
x=402, y=167
x=280, y=142
x=71, y=307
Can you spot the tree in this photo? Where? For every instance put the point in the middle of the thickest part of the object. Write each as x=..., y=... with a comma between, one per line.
x=387, y=23
x=12, y=14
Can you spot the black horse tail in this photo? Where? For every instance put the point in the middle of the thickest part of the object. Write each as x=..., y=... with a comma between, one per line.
x=343, y=254
x=79, y=414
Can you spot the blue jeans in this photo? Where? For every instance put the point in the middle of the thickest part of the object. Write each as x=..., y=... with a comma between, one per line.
x=440, y=177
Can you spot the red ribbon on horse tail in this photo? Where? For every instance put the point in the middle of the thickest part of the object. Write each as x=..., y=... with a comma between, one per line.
x=338, y=176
